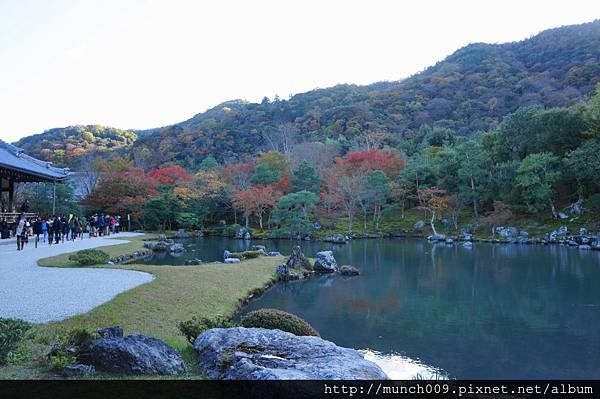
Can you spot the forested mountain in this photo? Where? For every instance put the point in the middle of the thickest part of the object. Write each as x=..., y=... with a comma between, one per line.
x=67, y=146
x=469, y=91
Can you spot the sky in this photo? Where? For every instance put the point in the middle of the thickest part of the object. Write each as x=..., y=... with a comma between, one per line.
x=138, y=64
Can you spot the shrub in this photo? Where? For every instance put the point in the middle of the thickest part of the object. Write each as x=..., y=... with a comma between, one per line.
x=246, y=254
x=69, y=346
x=12, y=331
x=60, y=361
x=230, y=230
x=594, y=202
x=190, y=329
x=88, y=257
x=278, y=319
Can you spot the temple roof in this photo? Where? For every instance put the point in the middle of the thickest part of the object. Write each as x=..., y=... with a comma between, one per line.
x=14, y=163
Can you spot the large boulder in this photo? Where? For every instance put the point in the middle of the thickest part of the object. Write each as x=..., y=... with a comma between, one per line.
x=243, y=234
x=260, y=354
x=337, y=238
x=419, y=225
x=136, y=354
x=297, y=260
x=165, y=245
x=325, y=262
x=182, y=234
x=507, y=232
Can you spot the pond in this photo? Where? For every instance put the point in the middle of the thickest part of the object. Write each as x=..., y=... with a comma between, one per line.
x=493, y=311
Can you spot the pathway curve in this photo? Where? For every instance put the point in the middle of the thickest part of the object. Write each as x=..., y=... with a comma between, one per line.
x=42, y=294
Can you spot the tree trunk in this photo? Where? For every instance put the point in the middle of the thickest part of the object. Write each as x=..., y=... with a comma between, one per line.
x=349, y=221
x=553, y=209
x=247, y=221
x=433, y=223
x=260, y=221
x=475, y=213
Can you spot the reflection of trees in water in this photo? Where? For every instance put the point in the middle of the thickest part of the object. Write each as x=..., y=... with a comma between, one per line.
x=493, y=311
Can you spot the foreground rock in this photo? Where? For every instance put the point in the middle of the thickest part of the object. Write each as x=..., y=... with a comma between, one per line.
x=136, y=354
x=260, y=354
x=325, y=262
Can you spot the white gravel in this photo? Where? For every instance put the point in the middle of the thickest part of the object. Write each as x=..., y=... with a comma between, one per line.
x=42, y=294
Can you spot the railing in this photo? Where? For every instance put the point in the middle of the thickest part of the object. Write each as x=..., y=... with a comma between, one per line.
x=11, y=217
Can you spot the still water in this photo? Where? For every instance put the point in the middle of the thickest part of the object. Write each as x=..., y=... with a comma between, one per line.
x=493, y=311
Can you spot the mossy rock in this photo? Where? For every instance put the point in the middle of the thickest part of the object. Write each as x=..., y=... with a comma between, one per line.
x=278, y=319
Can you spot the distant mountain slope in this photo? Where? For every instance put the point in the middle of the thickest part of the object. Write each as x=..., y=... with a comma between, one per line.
x=468, y=91
x=66, y=146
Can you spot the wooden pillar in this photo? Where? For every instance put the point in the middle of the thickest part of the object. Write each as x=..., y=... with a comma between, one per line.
x=11, y=195
x=54, y=198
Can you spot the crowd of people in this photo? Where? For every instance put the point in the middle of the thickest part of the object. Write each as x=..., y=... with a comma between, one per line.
x=59, y=229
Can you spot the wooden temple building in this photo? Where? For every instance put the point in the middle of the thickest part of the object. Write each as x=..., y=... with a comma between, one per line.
x=17, y=167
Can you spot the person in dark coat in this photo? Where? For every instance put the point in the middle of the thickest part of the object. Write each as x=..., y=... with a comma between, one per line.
x=37, y=230
x=57, y=229
x=25, y=207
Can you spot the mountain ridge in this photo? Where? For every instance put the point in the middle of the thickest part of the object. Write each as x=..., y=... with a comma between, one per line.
x=468, y=91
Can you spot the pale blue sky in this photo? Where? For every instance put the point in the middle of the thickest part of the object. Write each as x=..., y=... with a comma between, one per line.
x=142, y=63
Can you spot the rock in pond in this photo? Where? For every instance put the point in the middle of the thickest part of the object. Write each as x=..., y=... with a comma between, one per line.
x=259, y=248
x=182, y=234
x=337, y=238
x=136, y=354
x=297, y=260
x=347, y=270
x=243, y=234
x=193, y=262
x=325, y=262
x=231, y=260
x=274, y=253
x=73, y=370
x=259, y=354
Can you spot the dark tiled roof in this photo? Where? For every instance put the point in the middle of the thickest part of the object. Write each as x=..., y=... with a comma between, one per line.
x=13, y=158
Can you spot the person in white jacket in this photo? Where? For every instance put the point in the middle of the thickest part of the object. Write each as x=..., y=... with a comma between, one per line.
x=20, y=231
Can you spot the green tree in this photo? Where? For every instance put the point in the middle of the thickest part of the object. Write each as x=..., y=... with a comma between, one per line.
x=294, y=213
x=264, y=175
x=474, y=165
x=583, y=164
x=377, y=189
x=536, y=177
x=208, y=163
x=161, y=212
x=305, y=178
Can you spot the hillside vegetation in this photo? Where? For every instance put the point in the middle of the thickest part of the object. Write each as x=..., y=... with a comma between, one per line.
x=469, y=91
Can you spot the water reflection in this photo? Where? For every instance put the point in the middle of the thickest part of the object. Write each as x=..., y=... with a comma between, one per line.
x=493, y=311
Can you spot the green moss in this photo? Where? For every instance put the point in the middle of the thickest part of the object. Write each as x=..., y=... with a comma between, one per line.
x=278, y=319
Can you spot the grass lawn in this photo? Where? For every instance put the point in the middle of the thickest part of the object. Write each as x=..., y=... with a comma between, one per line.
x=177, y=293
x=135, y=244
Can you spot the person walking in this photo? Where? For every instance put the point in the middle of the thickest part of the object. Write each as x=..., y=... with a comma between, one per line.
x=44, y=224
x=37, y=230
x=20, y=231
x=65, y=229
x=56, y=229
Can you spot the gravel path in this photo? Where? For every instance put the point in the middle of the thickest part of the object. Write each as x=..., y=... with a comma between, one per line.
x=42, y=294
